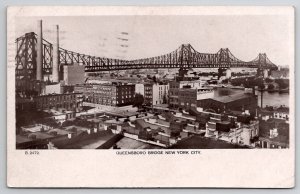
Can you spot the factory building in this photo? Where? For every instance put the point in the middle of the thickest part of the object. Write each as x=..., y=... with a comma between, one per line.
x=107, y=94
x=237, y=102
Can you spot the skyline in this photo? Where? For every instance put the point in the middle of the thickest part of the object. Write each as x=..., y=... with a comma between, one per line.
x=265, y=34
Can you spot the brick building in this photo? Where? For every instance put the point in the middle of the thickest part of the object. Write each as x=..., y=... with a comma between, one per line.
x=175, y=87
x=107, y=94
x=187, y=97
x=67, y=101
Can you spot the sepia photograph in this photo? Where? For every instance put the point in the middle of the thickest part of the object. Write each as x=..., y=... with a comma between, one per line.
x=142, y=82
x=146, y=84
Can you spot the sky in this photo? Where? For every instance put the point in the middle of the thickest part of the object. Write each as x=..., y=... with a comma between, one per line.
x=148, y=36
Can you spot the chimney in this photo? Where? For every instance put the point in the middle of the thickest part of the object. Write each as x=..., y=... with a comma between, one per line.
x=39, y=49
x=55, y=68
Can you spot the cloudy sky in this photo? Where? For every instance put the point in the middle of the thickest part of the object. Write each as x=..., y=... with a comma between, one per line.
x=134, y=37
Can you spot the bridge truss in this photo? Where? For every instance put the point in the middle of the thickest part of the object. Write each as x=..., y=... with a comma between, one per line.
x=183, y=57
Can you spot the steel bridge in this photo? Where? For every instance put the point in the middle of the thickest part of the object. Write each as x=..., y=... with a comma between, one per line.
x=183, y=57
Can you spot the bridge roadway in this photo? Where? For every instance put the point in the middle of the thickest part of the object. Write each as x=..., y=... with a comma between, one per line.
x=96, y=68
x=185, y=56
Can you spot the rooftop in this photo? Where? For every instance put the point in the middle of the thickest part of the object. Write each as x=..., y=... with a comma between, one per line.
x=145, y=124
x=231, y=98
x=199, y=142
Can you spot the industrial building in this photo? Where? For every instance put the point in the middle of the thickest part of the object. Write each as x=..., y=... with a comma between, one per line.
x=175, y=87
x=107, y=94
x=187, y=97
x=236, y=102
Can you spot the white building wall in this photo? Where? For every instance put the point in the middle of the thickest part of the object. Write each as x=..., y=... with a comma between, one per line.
x=140, y=89
x=158, y=92
x=193, y=84
x=53, y=89
x=205, y=95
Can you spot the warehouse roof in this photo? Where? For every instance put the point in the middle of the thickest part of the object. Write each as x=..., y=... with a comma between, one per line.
x=231, y=98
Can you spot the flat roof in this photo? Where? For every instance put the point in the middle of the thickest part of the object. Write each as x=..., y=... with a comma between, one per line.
x=199, y=142
x=231, y=98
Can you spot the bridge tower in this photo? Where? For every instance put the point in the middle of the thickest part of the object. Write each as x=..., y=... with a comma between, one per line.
x=224, y=61
x=39, y=48
x=262, y=64
x=55, y=69
x=184, y=53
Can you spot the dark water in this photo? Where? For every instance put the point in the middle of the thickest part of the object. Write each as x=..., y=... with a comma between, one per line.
x=270, y=99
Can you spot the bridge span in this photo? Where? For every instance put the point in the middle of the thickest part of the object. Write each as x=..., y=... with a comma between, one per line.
x=34, y=52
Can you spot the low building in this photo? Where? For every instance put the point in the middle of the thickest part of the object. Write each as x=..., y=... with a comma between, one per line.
x=281, y=113
x=237, y=102
x=199, y=142
x=67, y=101
x=229, y=129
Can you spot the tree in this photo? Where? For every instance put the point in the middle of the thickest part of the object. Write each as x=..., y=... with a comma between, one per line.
x=138, y=100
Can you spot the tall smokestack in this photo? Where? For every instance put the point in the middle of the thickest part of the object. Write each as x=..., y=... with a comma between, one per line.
x=39, y=49
x=55, y=69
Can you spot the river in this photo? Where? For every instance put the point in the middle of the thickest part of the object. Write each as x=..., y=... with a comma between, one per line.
x=270, y=99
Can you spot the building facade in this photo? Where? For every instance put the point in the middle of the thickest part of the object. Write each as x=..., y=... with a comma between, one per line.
x=187, y=97
x=156, y=93
x=107, y=94
x=67, y=101
x=238, y=102
x=177, y=89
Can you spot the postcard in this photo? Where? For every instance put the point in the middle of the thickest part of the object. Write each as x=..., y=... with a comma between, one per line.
x=151, y=97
